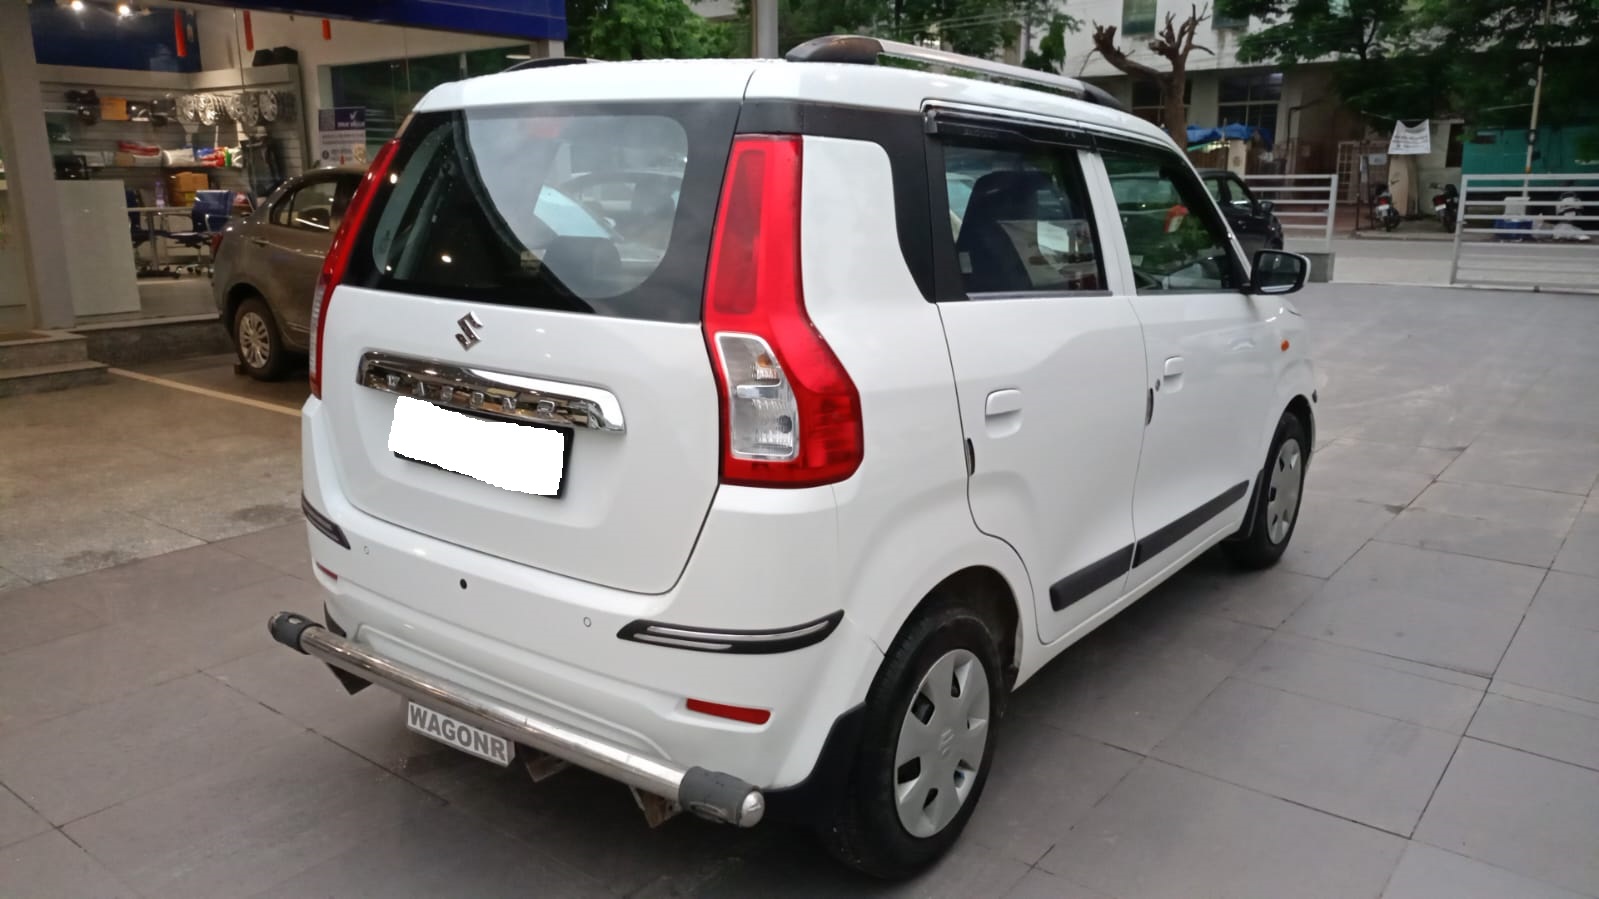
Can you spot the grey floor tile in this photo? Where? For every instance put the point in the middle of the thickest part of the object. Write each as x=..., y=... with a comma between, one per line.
x=49, y=866
x=17, y=821
x=11, y=581
x=1439, y=609
x=1517, y=811
x=1043, y=779
x=1580, y=553
x=1040, y=884
x=1356, y=765
x=1330, y=530
x=231, y=514
x=370, y=723
x=182, y=583
x=1131, y=685
x=1541, y=462
x=1431, y=697
x=1429, y=873
x=1381, y=473
x=442, y=853
x=285, y=548
x=86, y=669
x=1555, y=657
x=1512, y=524
x=1571, y=599
x=241, y=828
x=1166, y=832
x=1215, y=586
x=1558, y=733
x=785, y=870
x=88, y=761
x=35, y=616
x=45, y=547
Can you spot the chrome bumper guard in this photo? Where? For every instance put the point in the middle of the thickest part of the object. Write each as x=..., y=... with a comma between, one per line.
x=709, y=794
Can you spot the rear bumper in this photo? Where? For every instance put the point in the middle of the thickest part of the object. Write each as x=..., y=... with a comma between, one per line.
x=709, y=794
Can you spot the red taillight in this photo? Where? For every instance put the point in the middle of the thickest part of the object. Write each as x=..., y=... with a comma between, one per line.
x=334, y=264
x=216, y=242
x=730, y=712
x=791, y=416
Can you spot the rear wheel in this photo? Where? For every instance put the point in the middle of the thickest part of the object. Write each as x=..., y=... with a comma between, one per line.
x=257, y=341
x=927, y=747
x=1276, y=510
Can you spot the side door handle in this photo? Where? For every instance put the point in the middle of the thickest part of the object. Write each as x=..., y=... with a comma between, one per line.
x=1002, y=412
x=1172, y=375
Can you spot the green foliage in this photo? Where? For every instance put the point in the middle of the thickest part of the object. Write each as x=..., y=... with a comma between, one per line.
x=974, y=27
x=643, y=29
x=1051, y=53
x=1493, y=48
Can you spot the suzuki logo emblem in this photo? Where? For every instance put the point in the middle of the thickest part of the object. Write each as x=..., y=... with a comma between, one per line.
x=468, y=324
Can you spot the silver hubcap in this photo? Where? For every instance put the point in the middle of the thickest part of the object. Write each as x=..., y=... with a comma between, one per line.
x=1282, y=500
x=941, y=743
x=255, y=341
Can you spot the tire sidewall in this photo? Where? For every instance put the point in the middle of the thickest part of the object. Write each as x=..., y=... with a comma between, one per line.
x=1290, y=427
x=895, y=852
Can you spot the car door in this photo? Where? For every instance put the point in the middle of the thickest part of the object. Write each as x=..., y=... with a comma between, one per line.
x=1048, y=362
x=301, y=229
x=1208, y=378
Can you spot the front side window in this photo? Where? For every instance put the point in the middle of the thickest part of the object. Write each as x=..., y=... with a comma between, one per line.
x=1020, y=220
x=1174, y=240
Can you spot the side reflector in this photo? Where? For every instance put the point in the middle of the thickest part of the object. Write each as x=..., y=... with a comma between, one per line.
x=327, y=571
x=730, y=712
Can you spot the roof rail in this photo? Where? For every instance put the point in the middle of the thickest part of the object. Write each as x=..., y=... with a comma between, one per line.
x=864, y=50
x=546, y=62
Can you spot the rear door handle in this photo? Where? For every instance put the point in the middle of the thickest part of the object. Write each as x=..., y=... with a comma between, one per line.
x=1003, y=402
x=1174, y=367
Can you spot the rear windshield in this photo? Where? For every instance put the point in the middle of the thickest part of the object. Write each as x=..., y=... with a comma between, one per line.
x=603, y=209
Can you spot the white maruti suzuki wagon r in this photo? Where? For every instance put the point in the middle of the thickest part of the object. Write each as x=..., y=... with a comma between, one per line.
x=747, y=431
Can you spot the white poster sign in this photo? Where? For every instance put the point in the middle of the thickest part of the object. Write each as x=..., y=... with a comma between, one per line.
x=1411, y=140
x=341, y=135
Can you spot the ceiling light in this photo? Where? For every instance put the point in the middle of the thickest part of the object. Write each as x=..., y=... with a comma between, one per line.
x=124, y=10
x=77, y=5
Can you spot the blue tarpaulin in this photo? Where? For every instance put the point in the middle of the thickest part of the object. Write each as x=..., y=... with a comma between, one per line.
x=1201, y=135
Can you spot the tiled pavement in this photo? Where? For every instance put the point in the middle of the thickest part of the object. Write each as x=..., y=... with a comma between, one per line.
x=1407, y=707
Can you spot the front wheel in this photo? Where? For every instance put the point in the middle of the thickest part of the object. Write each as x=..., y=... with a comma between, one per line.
x=927, y=746
x=1275, y=513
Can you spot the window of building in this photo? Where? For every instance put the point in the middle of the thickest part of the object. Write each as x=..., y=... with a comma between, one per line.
x=1174, y=238
x=1138, y=16
x=1147, y=103
x=1251, y=100
x=389, y=88
x=1021, y=220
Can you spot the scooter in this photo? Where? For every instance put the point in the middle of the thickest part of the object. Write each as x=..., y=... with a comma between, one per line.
x=1447, y=205
x=1383, y=212
x=1569, y=206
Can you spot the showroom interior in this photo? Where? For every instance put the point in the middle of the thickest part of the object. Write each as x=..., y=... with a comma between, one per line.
x=131, y=132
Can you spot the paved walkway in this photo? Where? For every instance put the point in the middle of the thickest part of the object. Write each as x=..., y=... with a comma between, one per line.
x=1408, y=706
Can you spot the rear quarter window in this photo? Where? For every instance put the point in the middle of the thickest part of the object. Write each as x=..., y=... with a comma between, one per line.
x=598, y=208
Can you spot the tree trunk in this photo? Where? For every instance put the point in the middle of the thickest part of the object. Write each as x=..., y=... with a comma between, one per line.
x=1176, y=110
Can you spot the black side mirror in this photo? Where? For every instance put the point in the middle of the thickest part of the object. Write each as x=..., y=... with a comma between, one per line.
x=1265, y=207
x=1277, y=272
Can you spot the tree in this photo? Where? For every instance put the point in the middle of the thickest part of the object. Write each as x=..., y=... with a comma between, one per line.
x=1051, y=53
x=642, y=29
x=1173, y=43
x=1381, y=66
x=973, y=27
x=1493, y=49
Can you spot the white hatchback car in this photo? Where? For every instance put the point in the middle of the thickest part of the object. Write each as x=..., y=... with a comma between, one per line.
x=759, y=483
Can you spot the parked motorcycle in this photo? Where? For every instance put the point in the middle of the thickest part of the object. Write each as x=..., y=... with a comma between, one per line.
x=1568, y=215
x=1383, y=212
x=1446, y=205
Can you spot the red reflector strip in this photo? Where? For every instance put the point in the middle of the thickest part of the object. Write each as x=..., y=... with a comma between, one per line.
x=327, y=571
x=731, y=712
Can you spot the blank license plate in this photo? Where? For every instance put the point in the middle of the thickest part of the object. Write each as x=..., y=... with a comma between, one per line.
x=470, y=740
x=518, y=457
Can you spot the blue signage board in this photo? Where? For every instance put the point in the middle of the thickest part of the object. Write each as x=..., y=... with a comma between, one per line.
x=527, y=19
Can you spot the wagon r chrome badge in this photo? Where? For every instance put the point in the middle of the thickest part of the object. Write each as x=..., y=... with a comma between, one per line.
x=468, y=324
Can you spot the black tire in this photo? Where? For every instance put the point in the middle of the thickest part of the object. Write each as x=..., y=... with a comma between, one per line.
x=868, y=834
x=257, y=341
x=1262, y=541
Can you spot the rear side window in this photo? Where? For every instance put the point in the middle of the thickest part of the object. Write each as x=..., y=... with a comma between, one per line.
x=603, y=209
x=1020, y=220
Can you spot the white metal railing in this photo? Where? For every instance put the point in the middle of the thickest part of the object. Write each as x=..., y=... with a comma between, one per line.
x=1306, y=205
x=1510, y=234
